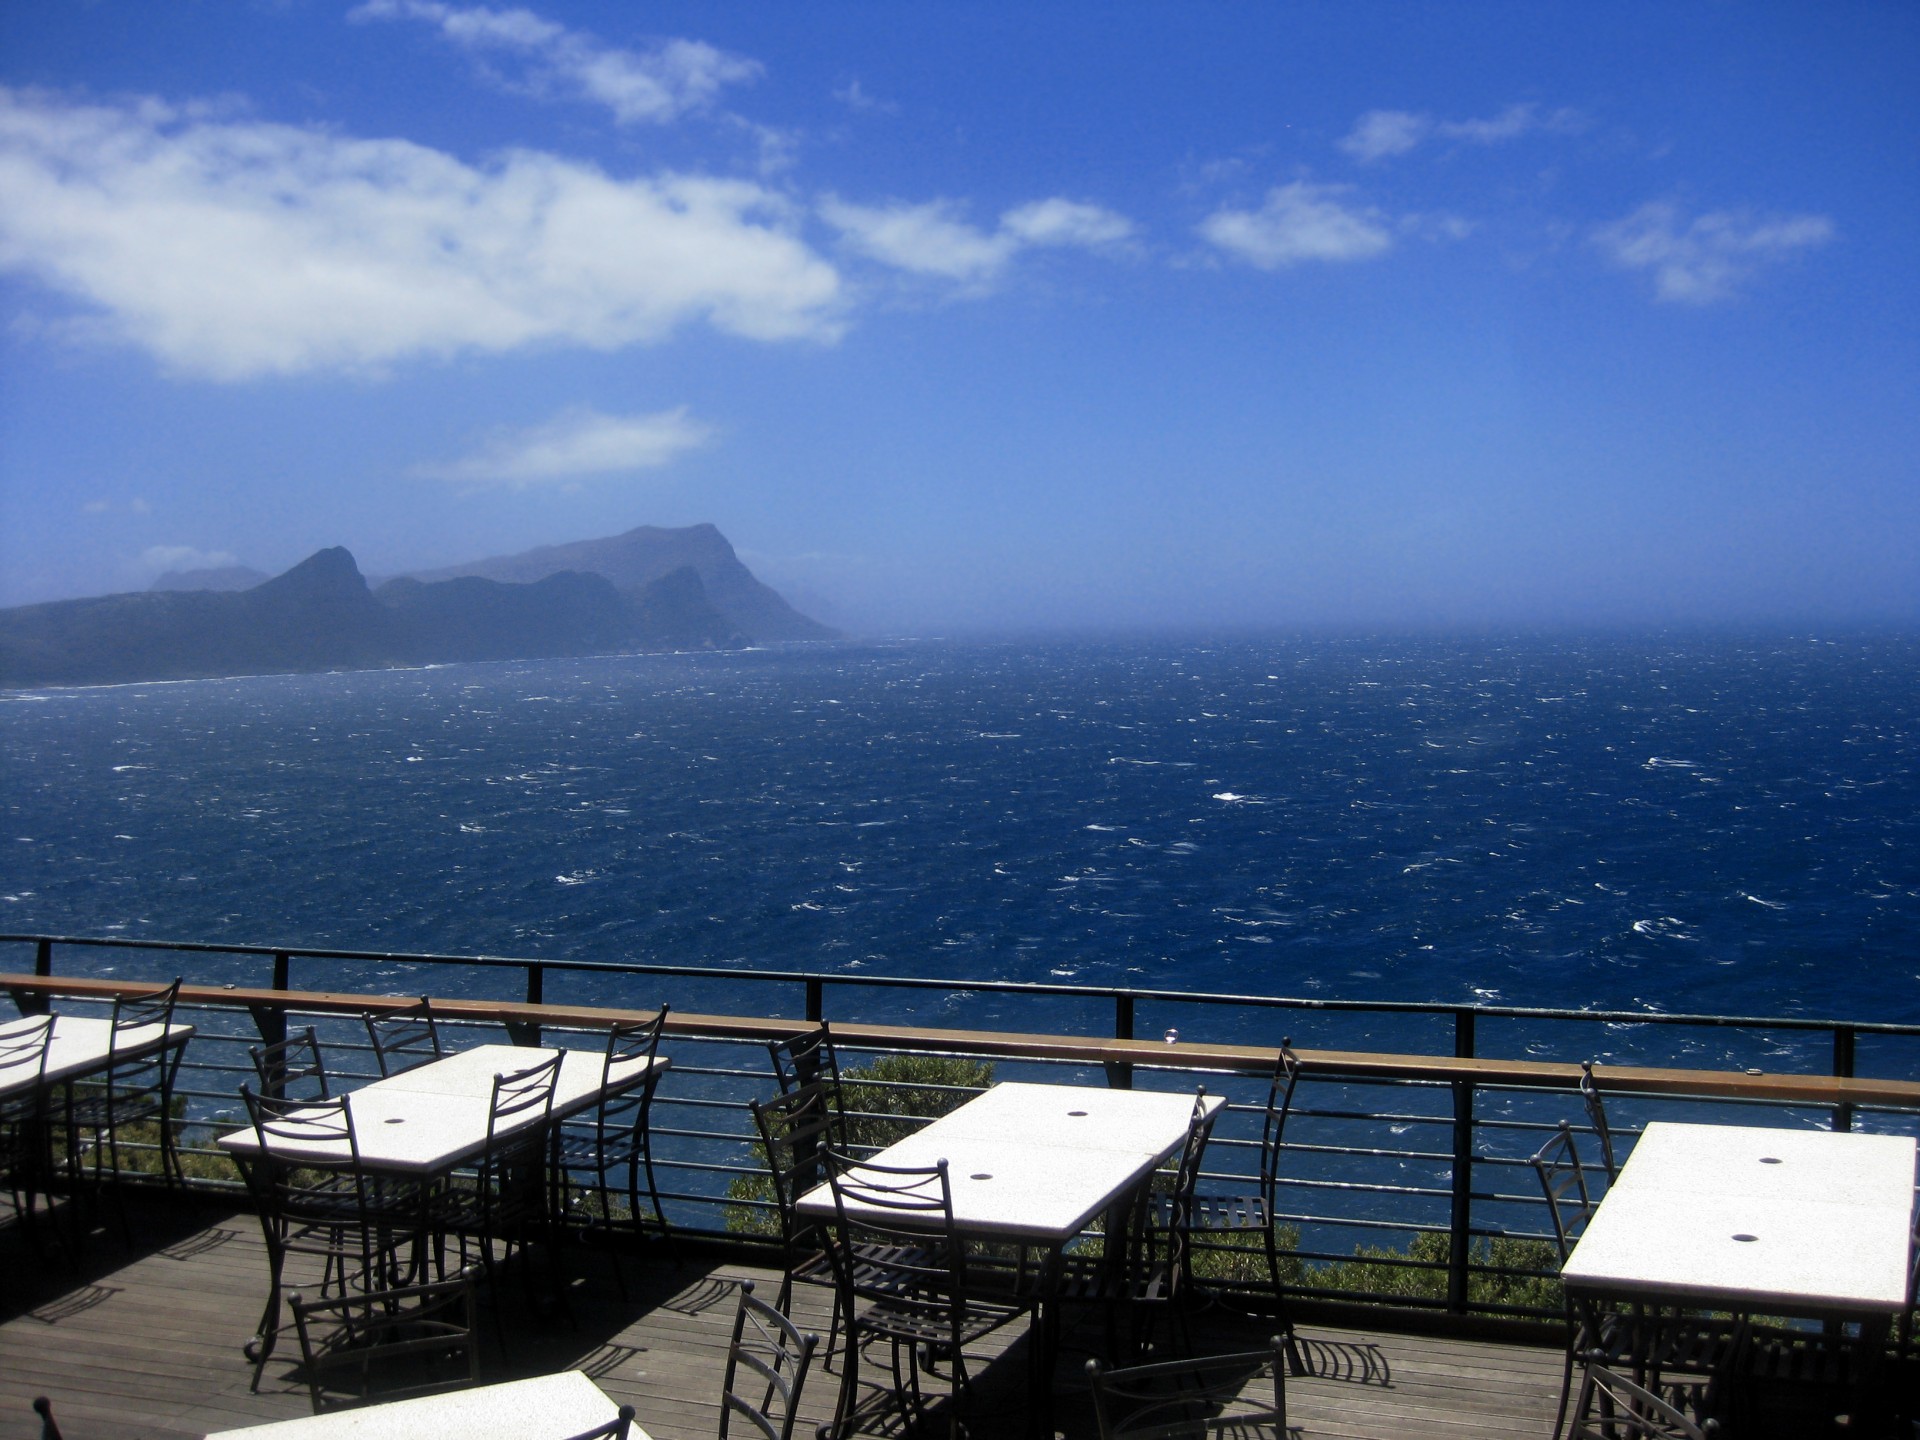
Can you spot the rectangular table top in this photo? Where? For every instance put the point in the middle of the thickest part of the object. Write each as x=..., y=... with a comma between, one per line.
x=1040, y=1161
x=432, y=1118
x=1747, y=1218
x=81, y=1045
x=547, y=1407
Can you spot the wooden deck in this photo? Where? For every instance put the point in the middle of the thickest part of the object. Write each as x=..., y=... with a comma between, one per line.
x=143, y=1340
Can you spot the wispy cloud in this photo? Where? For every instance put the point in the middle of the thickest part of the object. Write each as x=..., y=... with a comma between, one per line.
x=854, y=96
x=574, y=446
x=1299, y=222
x=1381, y=134
x=933, y=239
x=1711, y=257
x=159, y=559
x=232, y=249
x=549, y=60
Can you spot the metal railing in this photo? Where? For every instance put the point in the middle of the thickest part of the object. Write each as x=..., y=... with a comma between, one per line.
x=1415, y=1188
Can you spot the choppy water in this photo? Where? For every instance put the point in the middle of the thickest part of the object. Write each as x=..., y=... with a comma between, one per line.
x=1680, y=824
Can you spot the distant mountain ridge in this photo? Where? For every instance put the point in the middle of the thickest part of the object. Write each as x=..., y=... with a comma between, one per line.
x=321, y=615
x=649, y=553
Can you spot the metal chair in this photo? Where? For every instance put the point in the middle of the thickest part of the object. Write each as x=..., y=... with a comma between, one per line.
x=901, y=1271
x=1613, y=1407
x=43, y=1407
x=615, y=1140
x=1177, y=1399
x=404, y=1038
x=772, y=1350
x=796, y=1131
x=387, y=1344
x=506, y=1201
x=1217, y=1218
x=25, y=1157
x=1149, y=1276
x=1597, y=1118
x=137, y=1089
x=1656, y=1342
x=357, y=1225
x=291, y=1068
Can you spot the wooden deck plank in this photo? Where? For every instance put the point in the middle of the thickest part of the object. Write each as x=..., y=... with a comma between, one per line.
x=143, y=1340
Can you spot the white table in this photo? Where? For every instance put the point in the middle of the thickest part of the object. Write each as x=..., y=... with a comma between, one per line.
x=430, y=1119
x=547, y=1407
x=1794, y=1222
x=81, y=1047
x=1034, y=1164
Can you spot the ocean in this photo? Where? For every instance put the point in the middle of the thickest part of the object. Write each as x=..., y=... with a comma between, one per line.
x=1647, y=823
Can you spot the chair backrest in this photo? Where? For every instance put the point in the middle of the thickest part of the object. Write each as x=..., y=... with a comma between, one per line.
x=797, y=1130
x=1176, y=1231
x=807, y=1059
x=23, y=1060
x=292, y=1067
x=1286, y=1074
x=1597, y=1118
x=283, y=1178
x=1612, y=1407
x=152, y=1007
x=628, y=1043
x=904, y=1213
x=405, y=1038
x=775, y=1355
x=388, y=1344
x=1564, y=1183
x=614, y=1429
x=1242, y=1395
x=523, y=1100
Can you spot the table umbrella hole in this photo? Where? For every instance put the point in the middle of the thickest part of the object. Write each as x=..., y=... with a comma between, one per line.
x=1769, y=1159
x=1745, y=1238
x=982, y=1176
x=1076, y=1114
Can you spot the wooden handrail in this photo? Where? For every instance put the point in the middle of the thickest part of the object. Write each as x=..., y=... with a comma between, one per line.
x=1812, y=1090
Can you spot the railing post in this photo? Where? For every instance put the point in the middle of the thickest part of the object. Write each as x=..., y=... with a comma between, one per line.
x=37, y=1004
x=1119, y=1072
x=527, y=1032
x=1843, y=1069
x=1460, y=1222
x=271, y=1022
x=816, y=999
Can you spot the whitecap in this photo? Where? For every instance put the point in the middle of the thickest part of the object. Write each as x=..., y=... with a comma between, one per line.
x=1661, y=762
x=578, y=877
x=1105, y=829
x=1229, y=798
x=1770, y=904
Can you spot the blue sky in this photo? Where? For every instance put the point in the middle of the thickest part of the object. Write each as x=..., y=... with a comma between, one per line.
x=960, y=317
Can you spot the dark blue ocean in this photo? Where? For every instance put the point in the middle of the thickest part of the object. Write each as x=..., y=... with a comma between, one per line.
x=1641, y=823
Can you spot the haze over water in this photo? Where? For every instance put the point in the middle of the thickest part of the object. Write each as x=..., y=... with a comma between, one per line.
x=1679, y=824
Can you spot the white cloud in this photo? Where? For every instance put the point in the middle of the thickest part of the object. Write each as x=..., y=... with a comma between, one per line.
x=854, y=96
x=574, y=445
x=654, y=86
x=932, y=238
x=233, y=249
x=1709, y=258
x=1066, y=222
x=1380, y=133
x=1299, y=222
x=159, y=559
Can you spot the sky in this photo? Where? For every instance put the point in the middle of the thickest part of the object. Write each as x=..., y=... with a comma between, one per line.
x=987, y=316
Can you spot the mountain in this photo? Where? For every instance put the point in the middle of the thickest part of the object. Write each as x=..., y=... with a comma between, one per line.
x=649, y=553
x=320, y=615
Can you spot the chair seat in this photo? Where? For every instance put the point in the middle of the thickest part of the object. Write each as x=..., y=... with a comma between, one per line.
x=1089, y=1280
x=923, y=1318
x=582, y=1150
x=1223, y=1213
